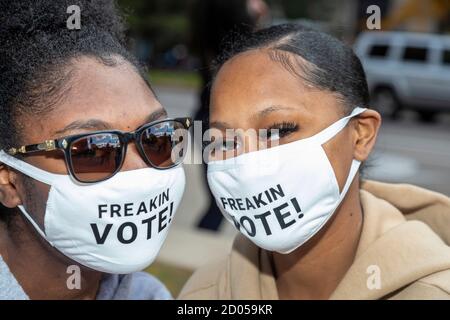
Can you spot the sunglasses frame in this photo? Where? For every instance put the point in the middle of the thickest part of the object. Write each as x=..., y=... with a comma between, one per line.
x=65, y=144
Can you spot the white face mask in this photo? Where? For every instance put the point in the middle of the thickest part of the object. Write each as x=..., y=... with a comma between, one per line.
x=282, y=196
x=114, y=226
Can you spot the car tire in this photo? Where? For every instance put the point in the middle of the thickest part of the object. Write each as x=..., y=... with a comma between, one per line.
x=427, y=116
x=385, y=101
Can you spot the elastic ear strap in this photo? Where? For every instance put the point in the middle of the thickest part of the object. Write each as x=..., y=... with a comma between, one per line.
x=35, y=225
x=28, y=169
x=336, y=127
x=351, y=175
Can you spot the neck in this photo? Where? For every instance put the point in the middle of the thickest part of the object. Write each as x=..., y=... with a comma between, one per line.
x=314, y=270
x=36, y=265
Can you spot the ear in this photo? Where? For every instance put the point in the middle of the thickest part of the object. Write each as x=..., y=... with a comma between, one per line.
x=366, y=127
x=9, y=196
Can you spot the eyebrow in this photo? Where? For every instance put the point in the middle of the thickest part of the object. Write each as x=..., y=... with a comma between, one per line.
x=97, y=124
x=260, y=114
x=270, y=109
x=220, y=125
x=156, y=115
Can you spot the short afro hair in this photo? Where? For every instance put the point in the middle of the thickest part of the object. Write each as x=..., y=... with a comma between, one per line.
x=36, y=48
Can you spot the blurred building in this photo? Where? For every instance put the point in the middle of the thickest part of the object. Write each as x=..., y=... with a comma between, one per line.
x=346, y=18
x=432, y=16
x=418, y=15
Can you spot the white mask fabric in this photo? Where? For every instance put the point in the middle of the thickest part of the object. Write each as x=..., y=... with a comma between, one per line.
x=280, y=197
x=114, y=226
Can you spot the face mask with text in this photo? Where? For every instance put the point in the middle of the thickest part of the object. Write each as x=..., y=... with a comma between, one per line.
x=280, y=197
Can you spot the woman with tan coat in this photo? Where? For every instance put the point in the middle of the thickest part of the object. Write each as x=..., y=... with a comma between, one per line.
x=289, y=181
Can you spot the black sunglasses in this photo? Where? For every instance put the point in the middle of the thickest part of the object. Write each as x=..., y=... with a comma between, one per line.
x=97, y=156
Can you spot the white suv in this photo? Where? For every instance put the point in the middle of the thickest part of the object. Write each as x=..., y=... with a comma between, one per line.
x=406, y=71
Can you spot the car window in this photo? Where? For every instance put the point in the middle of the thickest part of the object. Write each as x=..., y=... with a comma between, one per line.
x=415, y=54
x=446, y=57
x=379, y=51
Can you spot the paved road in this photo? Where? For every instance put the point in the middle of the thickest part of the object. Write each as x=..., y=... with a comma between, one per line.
x=413, y=152
x=406, y=151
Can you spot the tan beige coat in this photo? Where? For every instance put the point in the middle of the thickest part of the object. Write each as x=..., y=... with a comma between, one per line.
x=406, y=233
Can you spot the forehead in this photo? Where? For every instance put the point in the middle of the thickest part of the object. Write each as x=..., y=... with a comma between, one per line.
x=107, y=89
x=114, y=94
x=253, y=81
x=255, y=74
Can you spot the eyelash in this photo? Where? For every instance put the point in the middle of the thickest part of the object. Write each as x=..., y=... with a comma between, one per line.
x=221, y=143
x=284, y=129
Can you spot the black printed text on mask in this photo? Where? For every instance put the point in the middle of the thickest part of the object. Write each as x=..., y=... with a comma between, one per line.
x=284, y=213
x=156, y=213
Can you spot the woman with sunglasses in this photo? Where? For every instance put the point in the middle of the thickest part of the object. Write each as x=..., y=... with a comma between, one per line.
x=89, y=163
x=289, y=182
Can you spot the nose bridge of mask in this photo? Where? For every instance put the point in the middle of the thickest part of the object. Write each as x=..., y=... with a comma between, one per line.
x=28, y=169
x=328, y=133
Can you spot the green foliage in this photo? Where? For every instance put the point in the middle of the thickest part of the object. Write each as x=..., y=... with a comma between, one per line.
x=164, y=22
x=173, y=78
x=155, y=6
x=294, y=9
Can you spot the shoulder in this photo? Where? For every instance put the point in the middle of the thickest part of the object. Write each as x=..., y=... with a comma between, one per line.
x=133, y=286
x=208, y=282
x=146, y=287
x=433, y=287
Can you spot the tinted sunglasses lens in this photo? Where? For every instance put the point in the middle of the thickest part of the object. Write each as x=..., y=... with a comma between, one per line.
x=164, y=144
x=96, y=157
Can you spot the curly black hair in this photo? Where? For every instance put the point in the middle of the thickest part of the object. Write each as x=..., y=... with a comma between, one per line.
x=36, y=50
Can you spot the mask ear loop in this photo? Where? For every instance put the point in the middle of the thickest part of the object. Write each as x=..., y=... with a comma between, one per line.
x=328, y=133
x=34, y=223
x=335, y=128
x=33, y=172
x=28, y=169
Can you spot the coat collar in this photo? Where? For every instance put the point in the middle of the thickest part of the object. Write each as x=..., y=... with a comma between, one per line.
x=403, y=251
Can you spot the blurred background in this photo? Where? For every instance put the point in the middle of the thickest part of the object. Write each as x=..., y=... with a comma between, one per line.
x=406, y=55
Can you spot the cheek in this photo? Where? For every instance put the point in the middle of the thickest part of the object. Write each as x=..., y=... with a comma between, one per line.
x=340, y=153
